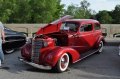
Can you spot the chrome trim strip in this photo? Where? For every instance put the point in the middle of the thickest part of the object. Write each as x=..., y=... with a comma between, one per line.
x=15, y=40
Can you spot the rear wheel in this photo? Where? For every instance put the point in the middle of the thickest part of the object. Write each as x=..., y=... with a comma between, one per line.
x=100, y=48
x=63, y=63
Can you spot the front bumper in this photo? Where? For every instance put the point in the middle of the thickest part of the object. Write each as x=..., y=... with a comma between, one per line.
x=34, y=65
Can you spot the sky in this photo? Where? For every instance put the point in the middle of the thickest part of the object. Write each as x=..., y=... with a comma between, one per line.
x=96, y=5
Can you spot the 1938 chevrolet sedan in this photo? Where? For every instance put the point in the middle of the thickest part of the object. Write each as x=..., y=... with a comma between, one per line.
x=62, y=42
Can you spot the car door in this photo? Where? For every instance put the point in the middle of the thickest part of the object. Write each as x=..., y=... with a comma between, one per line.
x=85, y=36
x=97, y=31
x=75, y=40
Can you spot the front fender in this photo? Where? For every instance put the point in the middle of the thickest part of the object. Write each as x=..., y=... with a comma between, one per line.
x=53, y=56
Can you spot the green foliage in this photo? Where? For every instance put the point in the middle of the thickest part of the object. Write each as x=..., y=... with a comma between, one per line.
x=70, y=10
x=30, y=11
x=79, y=12
x=104, y=17
x=45, y=11
x=116, y=15
x=83, y=11
x=109, y=16
x=22, y=12
x=6, y=9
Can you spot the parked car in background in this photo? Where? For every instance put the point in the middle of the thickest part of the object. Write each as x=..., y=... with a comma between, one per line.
x=116, y=35
x=13, y=39
x=62, y=42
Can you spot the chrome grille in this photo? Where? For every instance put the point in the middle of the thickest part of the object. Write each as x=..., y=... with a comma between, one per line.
x=36, y=46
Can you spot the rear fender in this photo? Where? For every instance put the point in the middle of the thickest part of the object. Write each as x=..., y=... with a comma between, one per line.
x=53, y=57
x=101, y=38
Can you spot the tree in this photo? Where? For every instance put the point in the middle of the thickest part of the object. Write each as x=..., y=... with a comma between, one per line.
x=104, y=17
x=6, y=9
x=22, y=12
x=79, y=12
x=70, y=10
x=116, y=14
x=45, y=11
x=59, y=10
x=30, y=11
x=84, y=6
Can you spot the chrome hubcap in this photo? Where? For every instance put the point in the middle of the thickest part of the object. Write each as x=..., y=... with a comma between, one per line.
x=101, y=46
x=64, y=62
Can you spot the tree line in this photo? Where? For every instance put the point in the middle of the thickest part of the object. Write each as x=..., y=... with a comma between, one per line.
x=30, y=11
x=83, y=11
x=45, y=11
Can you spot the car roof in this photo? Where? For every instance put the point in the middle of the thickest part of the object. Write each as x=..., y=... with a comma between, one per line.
x=83, y=20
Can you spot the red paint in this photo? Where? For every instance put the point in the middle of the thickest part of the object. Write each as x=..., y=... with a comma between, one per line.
x=72, y=41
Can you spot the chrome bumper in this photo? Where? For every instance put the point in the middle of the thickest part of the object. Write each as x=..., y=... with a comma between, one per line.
x=34, y=65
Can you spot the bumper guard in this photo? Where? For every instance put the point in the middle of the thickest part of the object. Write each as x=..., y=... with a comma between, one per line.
x=34, y=65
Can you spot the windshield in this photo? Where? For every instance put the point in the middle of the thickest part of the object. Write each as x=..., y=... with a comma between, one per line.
x=70, y=26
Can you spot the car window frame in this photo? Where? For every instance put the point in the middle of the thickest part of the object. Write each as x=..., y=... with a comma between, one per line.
x=95, y=26
x=82, y=25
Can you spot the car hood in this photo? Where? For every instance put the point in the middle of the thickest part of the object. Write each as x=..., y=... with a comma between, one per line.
x=53, y=26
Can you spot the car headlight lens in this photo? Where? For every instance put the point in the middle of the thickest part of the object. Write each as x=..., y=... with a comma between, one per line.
x=45, y=44
x=29, y=40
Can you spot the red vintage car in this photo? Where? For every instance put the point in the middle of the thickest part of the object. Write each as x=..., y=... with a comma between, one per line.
x=62, y=42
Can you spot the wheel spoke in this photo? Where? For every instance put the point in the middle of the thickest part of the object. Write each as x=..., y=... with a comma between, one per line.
x=64, y=62
x=62, y=65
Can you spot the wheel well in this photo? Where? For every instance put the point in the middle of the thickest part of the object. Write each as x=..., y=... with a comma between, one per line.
x=70, y=57
x=103, y=41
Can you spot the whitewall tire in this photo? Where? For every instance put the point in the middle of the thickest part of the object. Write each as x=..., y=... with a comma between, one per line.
x=9, y=51
x=63, y=63
x=100, y=48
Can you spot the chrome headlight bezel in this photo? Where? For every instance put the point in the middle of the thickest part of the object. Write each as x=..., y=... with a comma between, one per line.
x=29, y=40
x=45, y=43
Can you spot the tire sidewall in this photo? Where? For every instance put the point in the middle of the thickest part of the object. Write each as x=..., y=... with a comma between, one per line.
x=9, y=52
x=100, y=48
x=59, y=68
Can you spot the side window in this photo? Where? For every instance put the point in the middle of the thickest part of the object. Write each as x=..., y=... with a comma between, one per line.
x=86, y=28
x=97, y=26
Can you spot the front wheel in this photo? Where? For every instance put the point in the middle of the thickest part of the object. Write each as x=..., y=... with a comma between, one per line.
x=9, y=51
x=63, y=63
x=100, y=48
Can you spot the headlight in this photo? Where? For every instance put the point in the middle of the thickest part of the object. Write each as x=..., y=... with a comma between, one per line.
x=29, y=40
x=45, y=43
x=25, y=34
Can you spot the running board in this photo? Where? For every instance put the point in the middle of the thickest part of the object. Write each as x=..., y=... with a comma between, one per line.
x=86, y=54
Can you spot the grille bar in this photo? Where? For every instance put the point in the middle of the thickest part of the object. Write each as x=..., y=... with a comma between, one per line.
x=36, y=46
